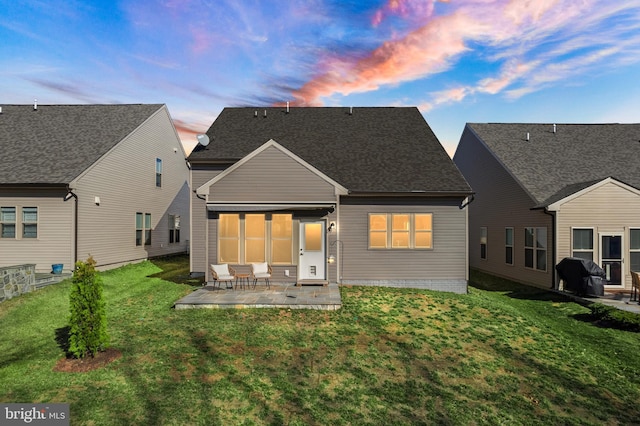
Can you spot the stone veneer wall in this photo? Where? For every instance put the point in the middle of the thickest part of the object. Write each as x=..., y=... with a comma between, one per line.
x=16, y=280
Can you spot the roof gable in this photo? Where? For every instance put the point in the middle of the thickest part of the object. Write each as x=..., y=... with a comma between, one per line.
x=552, y=161
x=366, y=150
x=575, y=191
x=204, y=189
x=54, y=144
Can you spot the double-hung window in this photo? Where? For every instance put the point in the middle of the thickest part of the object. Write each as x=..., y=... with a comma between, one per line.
x=508, y=246
x=483, y=242
x=174, y=229
x=7, y=222
x=634, y=249
x=254, y=238
x=29, y=222
x=143, y=229
x=400, y=231
x=158, y=172
x=535, y=248
x=582, y=243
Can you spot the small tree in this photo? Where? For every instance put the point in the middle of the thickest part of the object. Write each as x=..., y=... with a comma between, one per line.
x=88, y=320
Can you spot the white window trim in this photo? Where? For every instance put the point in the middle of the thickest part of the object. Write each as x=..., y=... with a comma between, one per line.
x=267, y=241
x=412, y=231
x=593, y=241
x=513, y=252
x=536, y=249
x=14, y=223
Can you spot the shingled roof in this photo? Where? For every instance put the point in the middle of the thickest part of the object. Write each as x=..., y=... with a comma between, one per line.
x=53, y=144
x=553, y=165
x=381, y=150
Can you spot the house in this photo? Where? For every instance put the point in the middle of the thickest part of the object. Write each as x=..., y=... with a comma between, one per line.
x=363, y=196
x=109, y=181
x=545, y=192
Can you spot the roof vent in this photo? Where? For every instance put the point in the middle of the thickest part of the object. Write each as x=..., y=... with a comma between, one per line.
x=350, y=110
x=255, y=113
x=527, y=138
x=265, y=113
x=35, y=104
x=554, y=128
x=287, y=107
x=0, y=110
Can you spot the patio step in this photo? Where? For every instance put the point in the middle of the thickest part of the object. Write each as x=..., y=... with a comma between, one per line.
x=312, y=282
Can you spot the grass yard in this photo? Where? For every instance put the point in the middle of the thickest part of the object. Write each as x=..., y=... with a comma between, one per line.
x=503, y=354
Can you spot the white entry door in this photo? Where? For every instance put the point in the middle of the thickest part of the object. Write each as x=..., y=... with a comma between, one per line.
x=311, y=263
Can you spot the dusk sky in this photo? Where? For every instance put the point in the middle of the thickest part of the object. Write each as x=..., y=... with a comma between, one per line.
x=554, y=61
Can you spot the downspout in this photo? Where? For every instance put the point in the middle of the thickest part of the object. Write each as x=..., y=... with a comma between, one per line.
x=67, y=197
x=553, y=247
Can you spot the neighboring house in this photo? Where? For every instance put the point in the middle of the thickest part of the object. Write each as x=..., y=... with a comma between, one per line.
x=545, y=192
x=352, y=195
x=110, y=181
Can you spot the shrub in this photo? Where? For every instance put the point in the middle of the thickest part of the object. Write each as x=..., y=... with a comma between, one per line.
x=623, y=320
x=88, y=321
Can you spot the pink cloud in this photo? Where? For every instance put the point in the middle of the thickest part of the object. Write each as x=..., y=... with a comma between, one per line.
x=514, y=25
x=425, y=51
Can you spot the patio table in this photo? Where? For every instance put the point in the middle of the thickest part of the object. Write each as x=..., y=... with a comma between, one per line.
x=244, y=278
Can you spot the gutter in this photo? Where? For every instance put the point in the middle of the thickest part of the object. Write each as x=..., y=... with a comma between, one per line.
x=70, y=195
x=553, y=246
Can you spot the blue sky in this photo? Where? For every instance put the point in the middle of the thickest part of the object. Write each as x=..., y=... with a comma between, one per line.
x=556, y=61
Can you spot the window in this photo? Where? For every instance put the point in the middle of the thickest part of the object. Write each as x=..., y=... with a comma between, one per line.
x=158, y=172
x=7, y=222
x=174, y=229
x=143, y=229
x=508, y=246
x=535, y=248
x=229, y=238
x=281, y=239
x=378, y=231
x=252, y=238
x=400, y=230
x=29, y=222
x=483, y=242
x=582, y=244
x=634, y=249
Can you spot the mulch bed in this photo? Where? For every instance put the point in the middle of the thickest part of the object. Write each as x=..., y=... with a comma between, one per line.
x=77, y=365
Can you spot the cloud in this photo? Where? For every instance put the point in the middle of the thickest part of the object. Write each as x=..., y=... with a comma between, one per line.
x=536, y=43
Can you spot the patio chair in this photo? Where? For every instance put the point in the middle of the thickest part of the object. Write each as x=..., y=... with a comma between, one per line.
x=635, y=287
x=223, y=273
x=261, y=271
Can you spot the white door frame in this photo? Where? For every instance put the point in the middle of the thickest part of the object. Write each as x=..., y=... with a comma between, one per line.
x=607, y=267
x=312, y=264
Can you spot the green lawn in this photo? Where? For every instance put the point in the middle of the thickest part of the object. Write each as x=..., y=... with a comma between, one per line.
x=503, y=354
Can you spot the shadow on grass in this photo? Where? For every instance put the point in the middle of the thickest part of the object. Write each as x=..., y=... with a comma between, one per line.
x=487, y=282
x=175, y=269
x=62, y=339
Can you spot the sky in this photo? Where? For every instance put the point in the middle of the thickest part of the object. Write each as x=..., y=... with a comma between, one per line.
x=458, y=61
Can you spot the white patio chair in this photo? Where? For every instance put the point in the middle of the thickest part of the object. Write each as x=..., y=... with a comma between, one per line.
x=223, y=273
x=261, y=271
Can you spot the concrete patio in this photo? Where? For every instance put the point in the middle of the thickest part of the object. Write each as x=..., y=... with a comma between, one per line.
x=286, y=296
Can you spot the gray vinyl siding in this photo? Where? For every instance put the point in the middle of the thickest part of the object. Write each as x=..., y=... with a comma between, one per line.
x=499, y=202
x=594, y=210
x=54, y=243
x=447, y=261
x=198, y=251
x=124, y=180
x=272, y=176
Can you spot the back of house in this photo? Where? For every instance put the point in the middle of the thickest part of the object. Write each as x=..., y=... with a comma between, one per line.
x=108, y=181
x=545, y=192
x=352, y=195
